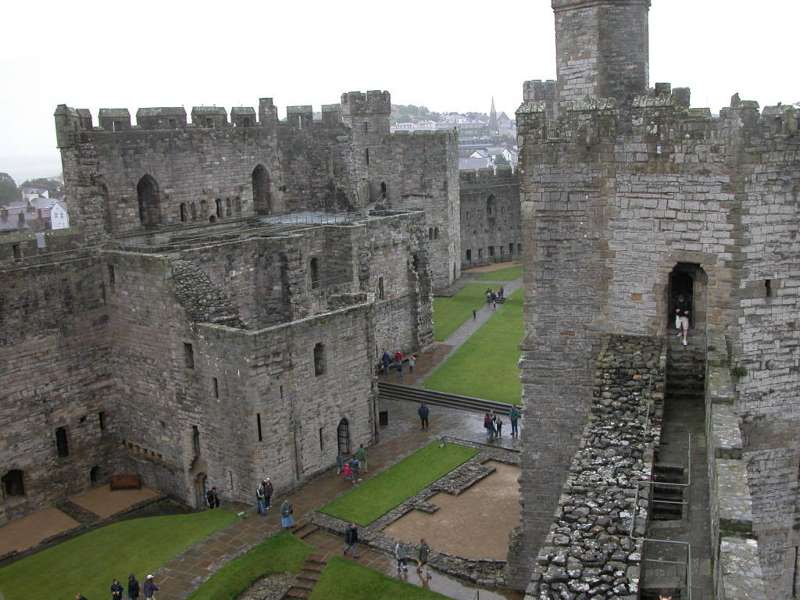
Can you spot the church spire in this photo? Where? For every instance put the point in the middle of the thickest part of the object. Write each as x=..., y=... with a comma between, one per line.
x=493, y=119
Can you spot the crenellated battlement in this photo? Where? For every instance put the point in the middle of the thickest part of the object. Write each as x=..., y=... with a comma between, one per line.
x=374, y=102
x=481, y=177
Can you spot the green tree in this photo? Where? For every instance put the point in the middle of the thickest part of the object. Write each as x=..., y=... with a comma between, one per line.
x=8, y=189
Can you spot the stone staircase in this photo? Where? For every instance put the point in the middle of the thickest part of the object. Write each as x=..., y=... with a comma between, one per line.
x=307, y=578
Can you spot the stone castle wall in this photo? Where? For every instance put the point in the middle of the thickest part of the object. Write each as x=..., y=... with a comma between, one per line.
x=491, y=225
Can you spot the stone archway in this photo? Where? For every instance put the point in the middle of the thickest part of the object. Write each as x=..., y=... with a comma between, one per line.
x=149, y=201
x=200, y=488
x=343, y=437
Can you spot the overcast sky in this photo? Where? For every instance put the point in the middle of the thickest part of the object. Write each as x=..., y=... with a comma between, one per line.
x=445, y=54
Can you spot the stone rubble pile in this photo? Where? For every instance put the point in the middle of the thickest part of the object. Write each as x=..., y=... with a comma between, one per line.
x=592, y=550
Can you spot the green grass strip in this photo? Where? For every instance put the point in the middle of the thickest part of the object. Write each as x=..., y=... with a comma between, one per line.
x=451, y=313
x=377, y=496
x=282, y=553
x=346, y=580
x=507, y=274
x=485, y=366
x=88, y=563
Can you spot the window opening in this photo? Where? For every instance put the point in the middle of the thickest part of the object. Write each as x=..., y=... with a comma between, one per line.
x=319, y=359
x=62, y=445
x=188, y=355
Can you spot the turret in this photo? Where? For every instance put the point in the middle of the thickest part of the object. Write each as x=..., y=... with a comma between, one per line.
x=602, y=49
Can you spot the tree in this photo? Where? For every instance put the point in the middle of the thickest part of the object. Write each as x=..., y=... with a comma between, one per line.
x=8, y=189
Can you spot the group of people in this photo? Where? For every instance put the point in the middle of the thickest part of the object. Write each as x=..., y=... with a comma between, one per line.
x=402, y=553
x=493, y=423
x=264, y=493
x=493, y=298
x=387, y=362
x=147, y=590
x=351, y=469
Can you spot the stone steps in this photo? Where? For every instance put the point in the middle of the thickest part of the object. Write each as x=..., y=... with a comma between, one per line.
x=307, y=579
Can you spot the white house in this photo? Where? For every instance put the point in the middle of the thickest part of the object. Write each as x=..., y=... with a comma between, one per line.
x=31, y=193
x=59, y=216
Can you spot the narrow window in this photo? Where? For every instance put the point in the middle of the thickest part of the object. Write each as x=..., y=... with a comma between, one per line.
x=436, y=233
x=216, y=386
x=380, y=288
x=469, y=255
x=196, y=440
x=768, y=288
x=480, y=253
x=430, y=233
x=228, y=207
x=193, y=211
x=219, y=207
x=383, y=189
x=366, y=155
x=258, y=425
x=17, y=250
x=94, y=475
x=314, y=269
x=321, y=444
x=112, y=277
x=319, y=359
x=511, y=248
x=183, y=212
x=62, y=446
x=188, y=355
x=491, y=250
x=230, y=476
x=101, y=420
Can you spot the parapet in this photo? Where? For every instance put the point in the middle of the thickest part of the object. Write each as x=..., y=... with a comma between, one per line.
x=374, y=102
x=539, y=91
x=209, y=116
x=498, y=176
x=243, y=116
x=115, y=119
x=267, y=111
x=301, y=116
x=162, y=117
x=331, y=114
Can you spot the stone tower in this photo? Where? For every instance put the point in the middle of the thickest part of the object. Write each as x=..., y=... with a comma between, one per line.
x=602, y=48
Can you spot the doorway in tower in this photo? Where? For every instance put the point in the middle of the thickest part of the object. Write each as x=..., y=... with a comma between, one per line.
x=687, y=286
x=343, y=436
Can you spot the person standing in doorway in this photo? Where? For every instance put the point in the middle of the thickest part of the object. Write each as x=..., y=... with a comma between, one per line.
x=514, y=417
x=423, y=413
x=351, y=540
x=682, y=309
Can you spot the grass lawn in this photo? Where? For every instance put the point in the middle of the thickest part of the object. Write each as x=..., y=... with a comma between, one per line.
x=89, y=562
x=346, y=580
x=486, y=365
x=377, y=496
x=279, y=554
x=450, y=313
x=507, y=274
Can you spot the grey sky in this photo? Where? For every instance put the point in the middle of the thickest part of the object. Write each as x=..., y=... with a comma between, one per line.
x=445, y=54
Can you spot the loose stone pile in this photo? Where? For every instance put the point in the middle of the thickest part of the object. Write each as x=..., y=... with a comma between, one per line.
x=592, y=550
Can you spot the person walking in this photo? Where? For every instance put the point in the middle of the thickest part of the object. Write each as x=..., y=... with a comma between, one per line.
x=260, y=499
x=682, y=317
x=514, y=417
x=386, y=360
x=412, y=362
x=493, y=424
x=287, y=514
x=212, y=497
x=401, y=556
x=423, y=411
x=355, y=466
x=487, y=424
x=133, y=587
x=423, y=555
x=268, y=490
x=116, y=590
x=361, y=455
x=474, y=314
x=351, y=540
x=499, y=424
x=150, y=588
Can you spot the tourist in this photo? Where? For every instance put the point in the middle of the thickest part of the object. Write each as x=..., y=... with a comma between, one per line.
x=487, y=424
x=355, y=467
x=493, y=424
x=339, y=463
x=514, y=416
x=212, y=498
x=474, y=314
x=398, y=359
x=499, y=425
x=494, y=303
x=501, y=293
x=347, y=471
x=424, y=553
x=401, y=556
x=133, y=587
x=116, y=590
x=260, y=499
x=361, y=455
x=150, y=588
x=268, y=489
x=682, y=317
x=412, y=361
x=386, y=360
x=423, y=411
x=287, y=514
x=350, y=540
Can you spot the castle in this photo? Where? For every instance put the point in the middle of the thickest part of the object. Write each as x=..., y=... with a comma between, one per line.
x=631, y=197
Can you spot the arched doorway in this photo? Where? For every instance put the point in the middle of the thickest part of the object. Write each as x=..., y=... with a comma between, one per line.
x=343, y=437
x=14, y=483
x=149, y=201
x=200, y=488
x=262, y=195
x=94, y=475
x=690, y=281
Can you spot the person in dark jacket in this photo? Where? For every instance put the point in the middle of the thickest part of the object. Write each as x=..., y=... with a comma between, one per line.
x=150, y=588
x=351, y=540
x=133, y=587
x=423, y=411
x=213, y=498
x=116, y=590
